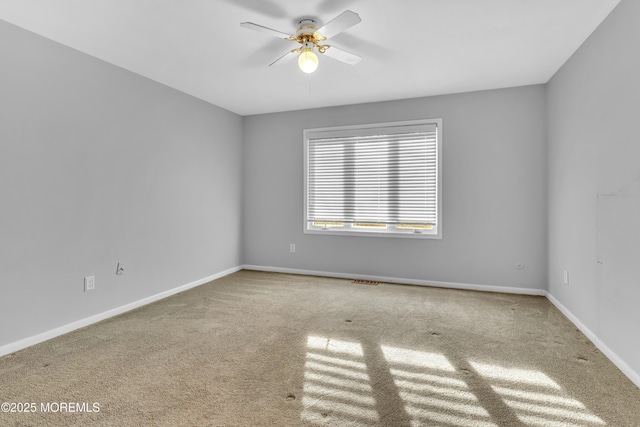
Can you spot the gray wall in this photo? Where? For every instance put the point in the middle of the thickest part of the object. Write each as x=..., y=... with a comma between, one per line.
x=494, y=192
x=594, y=176
x=99, y=165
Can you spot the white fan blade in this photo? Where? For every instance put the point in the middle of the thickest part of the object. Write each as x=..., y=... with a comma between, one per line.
x=342, y=55
x=262, y=29
x=285, y=58
x=346, y=19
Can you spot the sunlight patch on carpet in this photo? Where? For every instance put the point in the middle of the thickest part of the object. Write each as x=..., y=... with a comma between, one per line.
x=431, y=394
x=536, y=399
x=336, y=387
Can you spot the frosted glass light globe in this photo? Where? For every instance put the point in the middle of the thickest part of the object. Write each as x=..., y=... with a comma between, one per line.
x=308, y=61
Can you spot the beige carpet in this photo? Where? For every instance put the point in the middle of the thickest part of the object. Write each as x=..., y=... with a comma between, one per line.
x=270, y=349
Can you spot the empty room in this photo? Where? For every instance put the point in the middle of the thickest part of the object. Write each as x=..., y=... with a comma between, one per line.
x=320, y=213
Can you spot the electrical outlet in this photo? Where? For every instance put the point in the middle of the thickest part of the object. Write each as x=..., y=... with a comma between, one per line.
x=292, y=247
x=89, y=283
x=120, y=269
x=565, y=277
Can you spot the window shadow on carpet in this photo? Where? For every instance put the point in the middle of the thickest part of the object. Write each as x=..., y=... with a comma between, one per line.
x=351, y=383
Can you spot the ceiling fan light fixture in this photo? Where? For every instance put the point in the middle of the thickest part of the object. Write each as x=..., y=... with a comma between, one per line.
x=308, y=60
x=310, y=39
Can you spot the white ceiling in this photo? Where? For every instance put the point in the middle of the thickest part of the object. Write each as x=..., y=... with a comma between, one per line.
x=410, y=48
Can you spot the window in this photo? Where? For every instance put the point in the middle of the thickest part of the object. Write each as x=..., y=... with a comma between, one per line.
x=375, y=180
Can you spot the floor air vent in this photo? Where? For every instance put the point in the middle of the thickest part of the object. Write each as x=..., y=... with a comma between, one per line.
x=364, y=282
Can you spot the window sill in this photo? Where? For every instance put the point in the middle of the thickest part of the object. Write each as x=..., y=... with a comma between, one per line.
x=330, y=232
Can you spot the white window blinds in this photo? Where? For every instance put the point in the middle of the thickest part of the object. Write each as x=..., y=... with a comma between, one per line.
x=374, y=177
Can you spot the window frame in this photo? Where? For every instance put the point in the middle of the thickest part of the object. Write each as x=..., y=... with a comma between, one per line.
x=368, y=129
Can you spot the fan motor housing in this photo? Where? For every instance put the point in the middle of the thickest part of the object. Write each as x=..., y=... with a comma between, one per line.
x=307, y=36
x=306, y=27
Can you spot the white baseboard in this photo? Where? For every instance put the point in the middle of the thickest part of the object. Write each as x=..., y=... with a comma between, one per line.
x=44, y=336
x=384, y=279
x=611, y=355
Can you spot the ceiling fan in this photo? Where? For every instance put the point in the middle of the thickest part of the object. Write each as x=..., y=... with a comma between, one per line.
x=310, y=38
